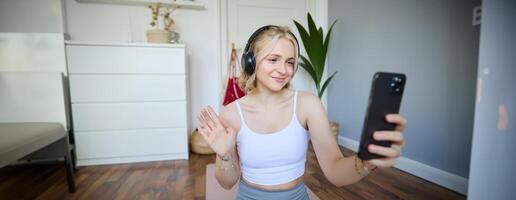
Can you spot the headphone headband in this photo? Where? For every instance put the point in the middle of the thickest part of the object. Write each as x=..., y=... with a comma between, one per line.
x=256, y=34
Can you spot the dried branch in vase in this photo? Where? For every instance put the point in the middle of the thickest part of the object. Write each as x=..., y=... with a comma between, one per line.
x=155, y=12
x=169, y=22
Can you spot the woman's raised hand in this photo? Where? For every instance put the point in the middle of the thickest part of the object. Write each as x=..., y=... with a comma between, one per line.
x=217, y=133
x=393, y=152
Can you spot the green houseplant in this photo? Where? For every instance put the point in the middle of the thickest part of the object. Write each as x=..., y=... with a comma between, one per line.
x=316, y=47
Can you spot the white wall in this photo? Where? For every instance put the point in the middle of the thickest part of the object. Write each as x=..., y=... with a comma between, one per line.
x=32, y=52
x=31, y=36
x=199, y=31
x=31, y=16
x=32, y=40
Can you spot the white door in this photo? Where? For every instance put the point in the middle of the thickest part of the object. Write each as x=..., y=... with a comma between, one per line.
x=243, y=17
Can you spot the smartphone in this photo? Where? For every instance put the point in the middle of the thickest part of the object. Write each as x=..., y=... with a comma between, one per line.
x=384, y=98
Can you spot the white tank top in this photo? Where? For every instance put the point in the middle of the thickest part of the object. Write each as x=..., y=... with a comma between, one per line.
x=273, y=158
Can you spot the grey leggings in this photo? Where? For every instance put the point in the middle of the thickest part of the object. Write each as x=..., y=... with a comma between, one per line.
x=247, y=192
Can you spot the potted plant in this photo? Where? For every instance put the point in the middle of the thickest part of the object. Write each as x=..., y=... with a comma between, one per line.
x=162, y=25
x=316, y=47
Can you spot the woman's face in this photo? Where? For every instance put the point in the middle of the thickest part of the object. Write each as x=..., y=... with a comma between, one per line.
x=275, y=70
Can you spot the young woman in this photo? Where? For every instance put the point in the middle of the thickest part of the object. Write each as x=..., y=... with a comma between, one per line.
x=262, y=138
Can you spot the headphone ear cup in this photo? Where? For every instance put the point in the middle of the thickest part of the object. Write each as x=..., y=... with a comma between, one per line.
x=248, y=63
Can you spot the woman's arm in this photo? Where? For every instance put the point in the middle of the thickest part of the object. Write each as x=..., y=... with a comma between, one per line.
x=227, y=170
x=339, y=170
x=221, y=137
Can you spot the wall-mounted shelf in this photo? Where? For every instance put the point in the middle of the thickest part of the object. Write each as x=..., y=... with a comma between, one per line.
x=167, y=3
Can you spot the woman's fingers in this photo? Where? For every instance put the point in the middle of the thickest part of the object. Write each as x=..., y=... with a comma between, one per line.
x=396, y=137
x=204, y=133
x=203, y=118
x=203, y=128
x=398, y=147
x=213, y=115
x=389, y=152
x=383, y=162
x=202, y=122
x=393, y=136
x=212, y=118
x=397, y=119
x=206, y=127
x=208, y=120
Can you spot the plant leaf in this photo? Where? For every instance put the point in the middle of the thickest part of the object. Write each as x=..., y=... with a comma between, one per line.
x=305, y=64
x=314, y=49
x=304, y=35
x=326, y=84
x=311, y=25
x=320, y=47
x=327, y=41
x=320, y=35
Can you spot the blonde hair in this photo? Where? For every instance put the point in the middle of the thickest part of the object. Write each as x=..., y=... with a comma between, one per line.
x=259, y=46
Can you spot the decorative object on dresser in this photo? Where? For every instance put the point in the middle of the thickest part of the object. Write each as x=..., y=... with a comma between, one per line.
x=162, y=25
x=129, y=102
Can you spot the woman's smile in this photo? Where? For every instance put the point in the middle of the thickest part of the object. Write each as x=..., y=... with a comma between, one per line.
x=279, y=79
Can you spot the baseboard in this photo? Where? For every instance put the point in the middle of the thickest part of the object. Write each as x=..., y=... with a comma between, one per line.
x=451, y=181
x=131, y=159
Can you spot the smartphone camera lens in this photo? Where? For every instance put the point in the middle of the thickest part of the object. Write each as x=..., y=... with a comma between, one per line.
x=397, y=79
x=396, y=85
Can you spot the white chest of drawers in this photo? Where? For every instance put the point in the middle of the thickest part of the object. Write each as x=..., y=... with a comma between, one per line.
x=129, y=102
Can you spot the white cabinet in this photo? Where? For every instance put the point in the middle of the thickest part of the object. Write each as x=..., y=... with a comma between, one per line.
x=129, y=102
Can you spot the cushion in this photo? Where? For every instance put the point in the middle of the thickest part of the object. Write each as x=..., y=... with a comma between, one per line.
x=21, y=139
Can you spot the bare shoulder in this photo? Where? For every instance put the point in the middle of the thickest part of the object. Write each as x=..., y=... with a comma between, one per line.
x=308, y=106
x=229, y=113
x=308, y=100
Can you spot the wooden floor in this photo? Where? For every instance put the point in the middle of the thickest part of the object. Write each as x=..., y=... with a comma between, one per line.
x=186, y=180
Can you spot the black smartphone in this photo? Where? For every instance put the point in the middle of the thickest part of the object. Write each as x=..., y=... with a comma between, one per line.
x=384, y=98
